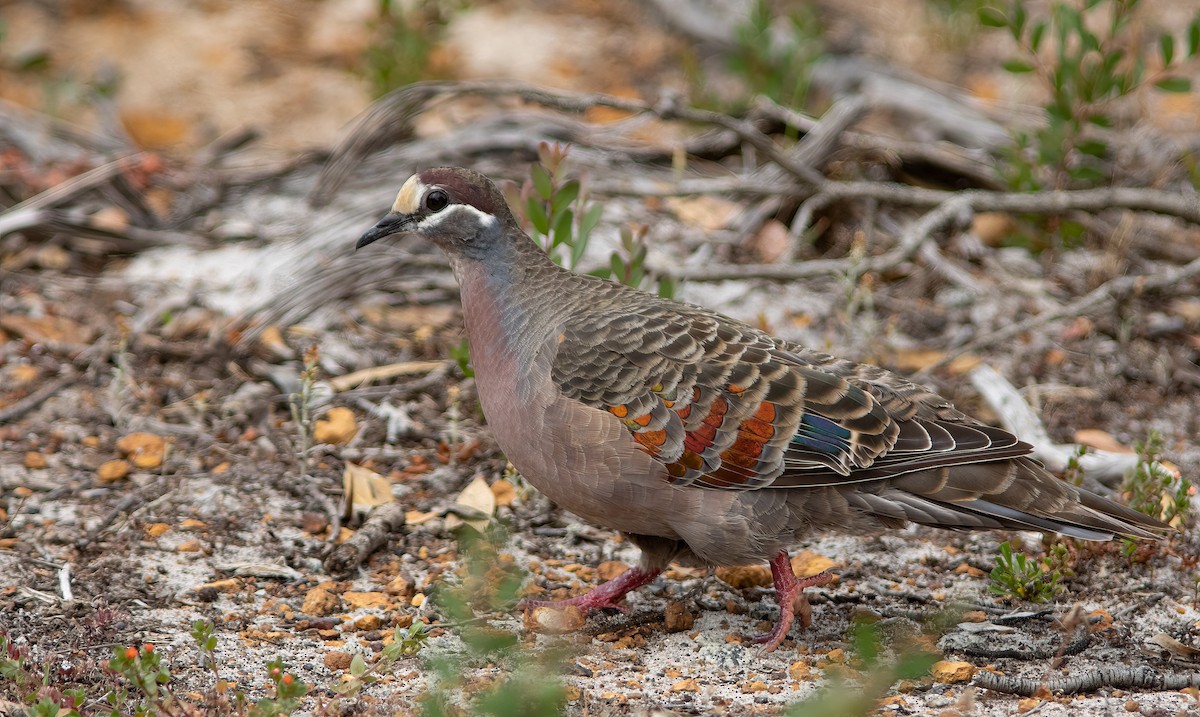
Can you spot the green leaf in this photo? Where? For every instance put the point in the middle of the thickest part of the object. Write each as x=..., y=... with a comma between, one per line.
x=1174, y=84
x=536, y=212
x=541, y=181
x=1036, y=35
x=590, y=219
x=1088, y=39
x=1166, y=46
x=915, y=666
x=1017, y=67
x=1093, y=147
x=566, y=194
x=577, y=250
x=1018, y=20
x=867, y=643
x=991, y=17
x=1193, y=37
x=562, y=230
x=1085, y=175
x=617, y=264
x=358, y=666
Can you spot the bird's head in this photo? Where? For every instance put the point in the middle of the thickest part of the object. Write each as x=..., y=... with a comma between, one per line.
x=458, y=209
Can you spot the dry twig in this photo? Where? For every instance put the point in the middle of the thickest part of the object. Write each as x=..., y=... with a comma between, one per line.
x=38, y=397
x=1102, y=295
x=1123, y=677
x=384, y=520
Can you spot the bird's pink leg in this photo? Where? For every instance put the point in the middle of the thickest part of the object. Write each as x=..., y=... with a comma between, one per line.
x=789, y=592
x=609, y=594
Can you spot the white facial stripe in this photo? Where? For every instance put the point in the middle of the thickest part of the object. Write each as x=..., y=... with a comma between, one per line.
x=407, y=201
x=486, y=221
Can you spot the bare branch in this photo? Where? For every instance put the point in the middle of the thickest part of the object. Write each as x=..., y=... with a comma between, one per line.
x=1119, y=676
x=1102, y=295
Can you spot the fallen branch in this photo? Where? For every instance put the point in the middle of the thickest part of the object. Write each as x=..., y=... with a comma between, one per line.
x=73, y=187
x=38, y=397
x=1157, y=201
x=1102, y=295
x=384, y=520
x=381, y=373
x=390, y=120
x=1019, y=418
x=1121, y=677
x=1077, y=645
x=954, y=209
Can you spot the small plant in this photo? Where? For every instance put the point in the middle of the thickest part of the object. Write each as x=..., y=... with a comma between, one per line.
x=774, y=61
x=1073, y=473
x=301, y=402
x=405, y=642
x=557, y=208
x=627, y=265
x=489, y=584
x=122, y=385
x=880, y=672
x=206, y=642
x=1087, y=58
x=1153, y=489
x=405, y=36
x=288, y=692
x=144, y=670
x=1017, y=576
x=1084, y=73
x=461, y=355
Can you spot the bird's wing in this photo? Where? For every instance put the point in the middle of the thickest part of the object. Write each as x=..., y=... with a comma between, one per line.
x=724, y=405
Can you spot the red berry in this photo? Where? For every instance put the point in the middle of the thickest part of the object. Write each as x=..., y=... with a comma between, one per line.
x=130, y=652
x=275, y=671
x=287, y=679
x=148, y=648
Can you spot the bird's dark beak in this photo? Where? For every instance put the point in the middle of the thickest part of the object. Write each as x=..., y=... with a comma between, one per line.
x=393, y=223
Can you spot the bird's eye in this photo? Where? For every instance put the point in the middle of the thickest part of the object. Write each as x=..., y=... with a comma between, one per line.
x=436, y=200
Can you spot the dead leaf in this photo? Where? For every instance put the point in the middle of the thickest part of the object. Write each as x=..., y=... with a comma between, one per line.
x=610, y=569
x=992, y=227
x=47, y=329
x=478, y=497
x=807, y=563
x=504, y=491
x=112, y=471
x=382, y=373
x=708, y=213
x=22, y=374
x=363, y=489
x=337, y=428
x=771, y=242
x=1187, y=309
x=156, y=129
x=146, y=450
x=416, y=517
x=1175, y=647
x=554, y=621
x=745, y=576
x=1100, y=440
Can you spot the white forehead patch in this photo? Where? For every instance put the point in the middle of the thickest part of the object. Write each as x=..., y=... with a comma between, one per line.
x=408, y=200
x=483, y=219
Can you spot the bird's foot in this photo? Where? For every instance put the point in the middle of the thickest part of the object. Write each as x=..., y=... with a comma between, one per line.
x=789, y=593
x=607, y=595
